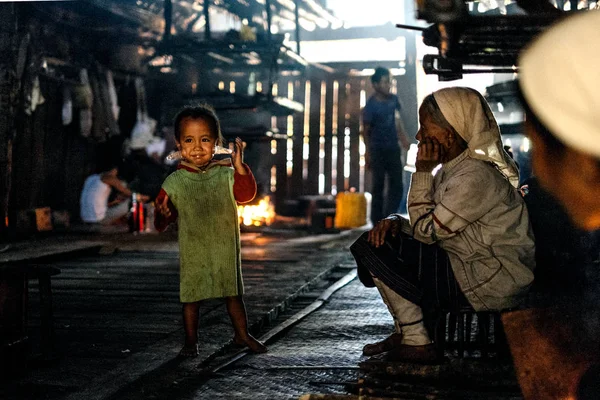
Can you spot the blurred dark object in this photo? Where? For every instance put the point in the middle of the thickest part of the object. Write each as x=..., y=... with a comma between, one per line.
x=441, y=10
x=561, y=250
x=144, y=173
x=492, y=41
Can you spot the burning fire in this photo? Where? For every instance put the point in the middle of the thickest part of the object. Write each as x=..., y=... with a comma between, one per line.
x=259, y=214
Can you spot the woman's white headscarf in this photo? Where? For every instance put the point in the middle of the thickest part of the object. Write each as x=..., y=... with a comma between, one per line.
x=470, y=115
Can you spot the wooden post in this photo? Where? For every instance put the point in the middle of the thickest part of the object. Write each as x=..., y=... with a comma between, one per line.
x=342, y=99
x=205, y=10
x=312, y=182
x=280, y=158
x=297, y=21
x=46, y=323
x=169, y=19
x=297, y=180
x=269, y=19
x=14, y=46
x=328, y=133
x=354, y=124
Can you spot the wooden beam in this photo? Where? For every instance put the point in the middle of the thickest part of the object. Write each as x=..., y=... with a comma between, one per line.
x=312, y=182
x=168, y=20
x=205, y=10
x=342, y=101
x=328, y=134
x=297, y=22
x=297, y=180
x=15, y=47
x=269, y=18
x=354, y=124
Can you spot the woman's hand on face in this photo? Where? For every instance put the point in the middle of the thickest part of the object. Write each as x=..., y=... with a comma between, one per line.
x=238, y=153
x=389, y=225
x=430, y=155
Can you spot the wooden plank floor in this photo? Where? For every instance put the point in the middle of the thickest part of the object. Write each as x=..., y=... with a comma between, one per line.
x=110, y=307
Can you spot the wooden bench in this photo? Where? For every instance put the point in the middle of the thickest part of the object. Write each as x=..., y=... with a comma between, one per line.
x=15, y=277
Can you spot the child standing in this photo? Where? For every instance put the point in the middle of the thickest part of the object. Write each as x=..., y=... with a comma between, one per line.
x=202, y=195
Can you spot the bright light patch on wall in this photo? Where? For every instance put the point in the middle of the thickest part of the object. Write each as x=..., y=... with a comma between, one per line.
x=334, y=137
x=411, y=158
x=289, y=164
x=372, y=49
x=346, y=154
x=273, y=179
x=334, y=117
x=275, y=89
x=273, y=146
x=232, y=86
x=334, y=159
x=362, y=148
x=290, y=125
x=259, y=86
x=321, y=183
x=371, y=71
x=525, y=145
x=221, y=85
x=306, y=133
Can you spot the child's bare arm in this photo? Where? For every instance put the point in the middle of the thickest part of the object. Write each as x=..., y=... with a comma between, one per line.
x=238, y=156
x=164, y=211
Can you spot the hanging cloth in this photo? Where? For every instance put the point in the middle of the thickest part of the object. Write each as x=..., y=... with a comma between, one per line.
x=35, y=97
x=67, y=107
x=85, y=114
x=112, y=93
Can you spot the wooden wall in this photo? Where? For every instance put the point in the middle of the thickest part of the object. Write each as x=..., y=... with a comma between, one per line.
x=324, y=151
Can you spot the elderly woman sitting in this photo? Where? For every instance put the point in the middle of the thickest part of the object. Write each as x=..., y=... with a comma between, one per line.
x=474, y=244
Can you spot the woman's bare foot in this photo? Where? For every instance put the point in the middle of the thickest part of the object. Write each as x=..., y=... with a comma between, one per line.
x=254, y=345
x=189, y=351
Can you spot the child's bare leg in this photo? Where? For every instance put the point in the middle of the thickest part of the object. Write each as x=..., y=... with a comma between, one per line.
x=190, y=325
x=237, y=312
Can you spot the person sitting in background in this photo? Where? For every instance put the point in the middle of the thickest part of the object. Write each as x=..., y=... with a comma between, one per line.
x=556, y=347
x=95, y=206
x=481, y=247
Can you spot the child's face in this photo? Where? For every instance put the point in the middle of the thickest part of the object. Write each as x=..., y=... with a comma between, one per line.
x=196, y=141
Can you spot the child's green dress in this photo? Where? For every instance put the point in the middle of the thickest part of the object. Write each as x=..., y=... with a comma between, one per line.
x=209, y=233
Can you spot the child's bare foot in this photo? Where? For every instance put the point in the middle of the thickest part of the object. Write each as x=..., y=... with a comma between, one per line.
x=189, y=351
x=254, y=345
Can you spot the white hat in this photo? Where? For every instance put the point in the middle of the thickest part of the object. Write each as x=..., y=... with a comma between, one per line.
x=560, y=79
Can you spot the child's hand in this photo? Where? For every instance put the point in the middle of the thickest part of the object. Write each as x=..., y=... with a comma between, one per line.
x=238, y=154
x=163, y=207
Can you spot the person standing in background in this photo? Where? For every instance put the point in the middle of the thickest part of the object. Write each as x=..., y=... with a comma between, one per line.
x=384, y=132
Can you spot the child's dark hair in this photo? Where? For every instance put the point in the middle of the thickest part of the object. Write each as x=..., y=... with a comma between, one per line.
x=203, y=112
x=380, y=72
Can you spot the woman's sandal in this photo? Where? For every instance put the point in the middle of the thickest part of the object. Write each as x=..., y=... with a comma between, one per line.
x=386, y=344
